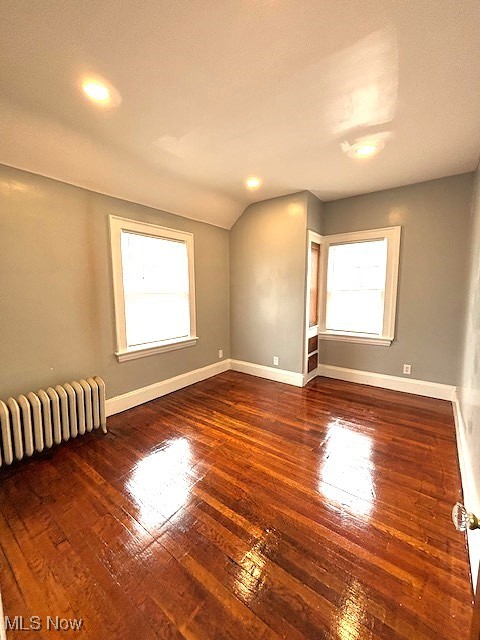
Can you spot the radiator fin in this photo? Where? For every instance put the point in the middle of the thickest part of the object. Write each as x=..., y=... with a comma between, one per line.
x=80, y=398
x=36, y=409
x=87, y=390
x=6, y=434
x=46, y=417
x=16, y=423
x=64, y=417
x=56, y=415
x=40, y=420
x=25, y=426
x=72, y=409
x=96, y=403
x=101, y=402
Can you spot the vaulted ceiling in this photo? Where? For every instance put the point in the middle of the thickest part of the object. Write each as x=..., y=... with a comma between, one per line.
x=213, y=91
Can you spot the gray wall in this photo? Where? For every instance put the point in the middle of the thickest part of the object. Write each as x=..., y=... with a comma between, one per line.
x=435, y=219
x=314, y=213
x=267, y=282
x=56, y=298
x=57, y=320
x=469, y=388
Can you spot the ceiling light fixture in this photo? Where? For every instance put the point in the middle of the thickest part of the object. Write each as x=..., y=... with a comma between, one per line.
x=100, y=92
x=363, y=148
x=366, y=150
x=253, y=183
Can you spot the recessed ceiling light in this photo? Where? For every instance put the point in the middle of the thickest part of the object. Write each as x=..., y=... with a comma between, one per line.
x=363, y=148
x=366, y=150
x=96, y=91
x=100, y=92
x=253, y=183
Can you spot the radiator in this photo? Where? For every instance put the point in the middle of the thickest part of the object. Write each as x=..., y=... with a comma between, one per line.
x=39, y=420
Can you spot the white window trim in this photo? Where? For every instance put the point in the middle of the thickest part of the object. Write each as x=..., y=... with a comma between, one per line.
x=124, y=353
x=392, y=235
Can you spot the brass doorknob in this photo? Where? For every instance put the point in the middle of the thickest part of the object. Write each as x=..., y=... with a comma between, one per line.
x=462, y=519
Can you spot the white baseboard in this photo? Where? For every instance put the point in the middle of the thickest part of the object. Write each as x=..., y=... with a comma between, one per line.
x=309, y=376
x=158, y=389
x=395, y=383
x=271, y=373
x=153, y=391
x=471, y=497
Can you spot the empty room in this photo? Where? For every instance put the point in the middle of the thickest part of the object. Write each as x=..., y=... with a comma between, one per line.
x=240, y=319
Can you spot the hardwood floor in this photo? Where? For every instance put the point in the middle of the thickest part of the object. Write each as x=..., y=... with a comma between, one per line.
x=243, y=508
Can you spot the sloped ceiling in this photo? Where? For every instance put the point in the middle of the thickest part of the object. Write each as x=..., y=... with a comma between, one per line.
x=215, y=91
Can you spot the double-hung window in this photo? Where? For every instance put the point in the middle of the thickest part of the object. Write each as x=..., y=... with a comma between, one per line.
x=359, y=286
x=154, y=290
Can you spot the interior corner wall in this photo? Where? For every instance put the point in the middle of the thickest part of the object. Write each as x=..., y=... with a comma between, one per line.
x=267, y=282
x=432, y=287
x=314, y=213
x=56, y=295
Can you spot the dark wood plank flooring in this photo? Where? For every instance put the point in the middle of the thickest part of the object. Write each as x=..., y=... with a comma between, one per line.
x=243, y=508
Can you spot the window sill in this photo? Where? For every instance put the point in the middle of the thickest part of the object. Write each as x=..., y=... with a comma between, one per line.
x=359, y=338
x=160, y=347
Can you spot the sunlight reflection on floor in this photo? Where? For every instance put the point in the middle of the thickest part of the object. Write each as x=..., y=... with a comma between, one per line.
x=352, y=614
x=159, y=484
x=345, y=473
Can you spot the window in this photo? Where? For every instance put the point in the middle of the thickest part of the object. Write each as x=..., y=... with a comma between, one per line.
x=153, y=281
x=359, y=288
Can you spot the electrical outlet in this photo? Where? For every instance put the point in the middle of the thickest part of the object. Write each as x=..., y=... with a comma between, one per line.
x=220, y=353
x=275, y=360
x=407, y=369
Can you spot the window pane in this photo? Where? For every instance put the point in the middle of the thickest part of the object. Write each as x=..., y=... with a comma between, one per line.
x=156, y=288
x=356, y=286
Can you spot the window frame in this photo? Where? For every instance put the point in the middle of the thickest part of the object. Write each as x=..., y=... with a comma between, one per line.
x=392, y=236
x=117, y=225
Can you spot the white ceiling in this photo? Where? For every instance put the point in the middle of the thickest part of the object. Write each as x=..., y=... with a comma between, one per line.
x=216, y=90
